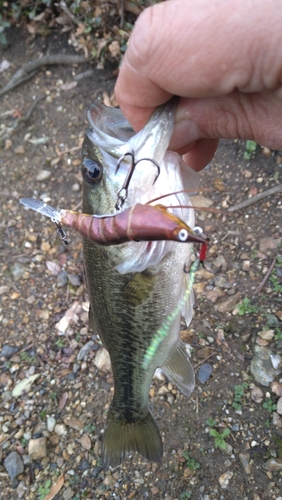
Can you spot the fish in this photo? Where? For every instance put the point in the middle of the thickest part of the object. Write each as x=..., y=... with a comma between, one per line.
x=135, y=286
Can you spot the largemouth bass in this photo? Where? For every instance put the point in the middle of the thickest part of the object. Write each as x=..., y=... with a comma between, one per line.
x=134, y=287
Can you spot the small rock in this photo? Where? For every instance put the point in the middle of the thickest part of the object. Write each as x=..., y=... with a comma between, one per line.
x=37, y=448
x=276, y=420
x=220, y=262
x=19, y=150
x=75, y=187
x=84, y=351
x=246, y=265
x=51, y=422
x=14, y=466
x=201, y=201
x=4, y=289
x=18, y=270
x=266, y=334
x=269, y=244
x=222, y=282
x=68, y=493
x=273, y=464
x=102, y=360
x=224, y=479
x=257, y=394
x=246, y=461
x=275, y=360
x=86, y=442
x=21, y=490
x=60, y=429
x=7, y=351
x=228, y=304
x=74, y=279
x=228, y=450
x=276, y=387
x=43, y=175
x=205, y=372
x=261, y=366
x=279, y=406
x=62, y=278
x=73, y=422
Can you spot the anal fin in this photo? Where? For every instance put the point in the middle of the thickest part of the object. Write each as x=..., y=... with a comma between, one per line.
x=179, y=370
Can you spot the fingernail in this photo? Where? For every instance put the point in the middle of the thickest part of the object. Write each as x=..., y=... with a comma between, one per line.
x=185, y=132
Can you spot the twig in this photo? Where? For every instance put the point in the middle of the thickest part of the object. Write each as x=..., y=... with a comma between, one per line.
x=9, y=131
x=66, y=10
x=23, y=73
x=256, y=198
x=260, y=286
x=8, y=437
x=204, y=360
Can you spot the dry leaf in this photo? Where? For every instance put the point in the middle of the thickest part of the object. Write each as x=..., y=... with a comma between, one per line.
x=63, y=401
x=70, y=315
x=24, y=385
x=55, y=488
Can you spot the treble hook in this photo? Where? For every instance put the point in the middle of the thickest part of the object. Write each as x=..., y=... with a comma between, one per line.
x=123, y=192
x=61, y=232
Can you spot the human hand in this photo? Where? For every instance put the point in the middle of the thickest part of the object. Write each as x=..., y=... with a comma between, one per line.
x=223, y=58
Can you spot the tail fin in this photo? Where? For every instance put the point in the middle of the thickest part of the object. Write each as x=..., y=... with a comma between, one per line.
x=122, y=438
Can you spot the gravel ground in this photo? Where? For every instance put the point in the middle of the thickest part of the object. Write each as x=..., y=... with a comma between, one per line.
x=225, y=442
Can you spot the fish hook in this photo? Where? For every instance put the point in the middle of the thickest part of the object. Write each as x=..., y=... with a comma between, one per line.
x=61, y=231
x=123, y=192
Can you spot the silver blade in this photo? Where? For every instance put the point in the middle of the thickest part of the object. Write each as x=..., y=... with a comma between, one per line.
x=42, y=208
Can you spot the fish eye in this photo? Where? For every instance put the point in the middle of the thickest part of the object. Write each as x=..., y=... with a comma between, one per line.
x=92, y=171
x=198, y=230
x=182, y=235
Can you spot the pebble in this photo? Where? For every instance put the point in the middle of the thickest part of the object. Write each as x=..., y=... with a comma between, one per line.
x=275, y=360
x=73, y=422
x=266, y=334
x=51, y=422
x=75, y=187
x=228, y=304
x=14, y=466
x=62, y=278
x=19, y=150
x=269, y=244
x=43, y=175
x=257, y=394
x=245, y=460
x=102, y=360
x=261, y=366
x=224, y=479
x=85, y=442
x=279, y=406
x=276, y=420
x=7, y=351
x=74, y=279
x=276, y=387
x=273, y=464
x=205, y=372
x=84, y=351
x=60, y=429
x=68, y=493
x=37, y=448
x=18, y=271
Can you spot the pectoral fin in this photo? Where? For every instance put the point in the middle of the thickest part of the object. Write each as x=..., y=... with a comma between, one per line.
x=179, y=370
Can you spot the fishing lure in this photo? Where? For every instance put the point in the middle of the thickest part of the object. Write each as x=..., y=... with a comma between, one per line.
x=137, y=223
x=163, y=331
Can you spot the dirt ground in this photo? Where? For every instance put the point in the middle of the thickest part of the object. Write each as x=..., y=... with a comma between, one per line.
x=223, y=443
